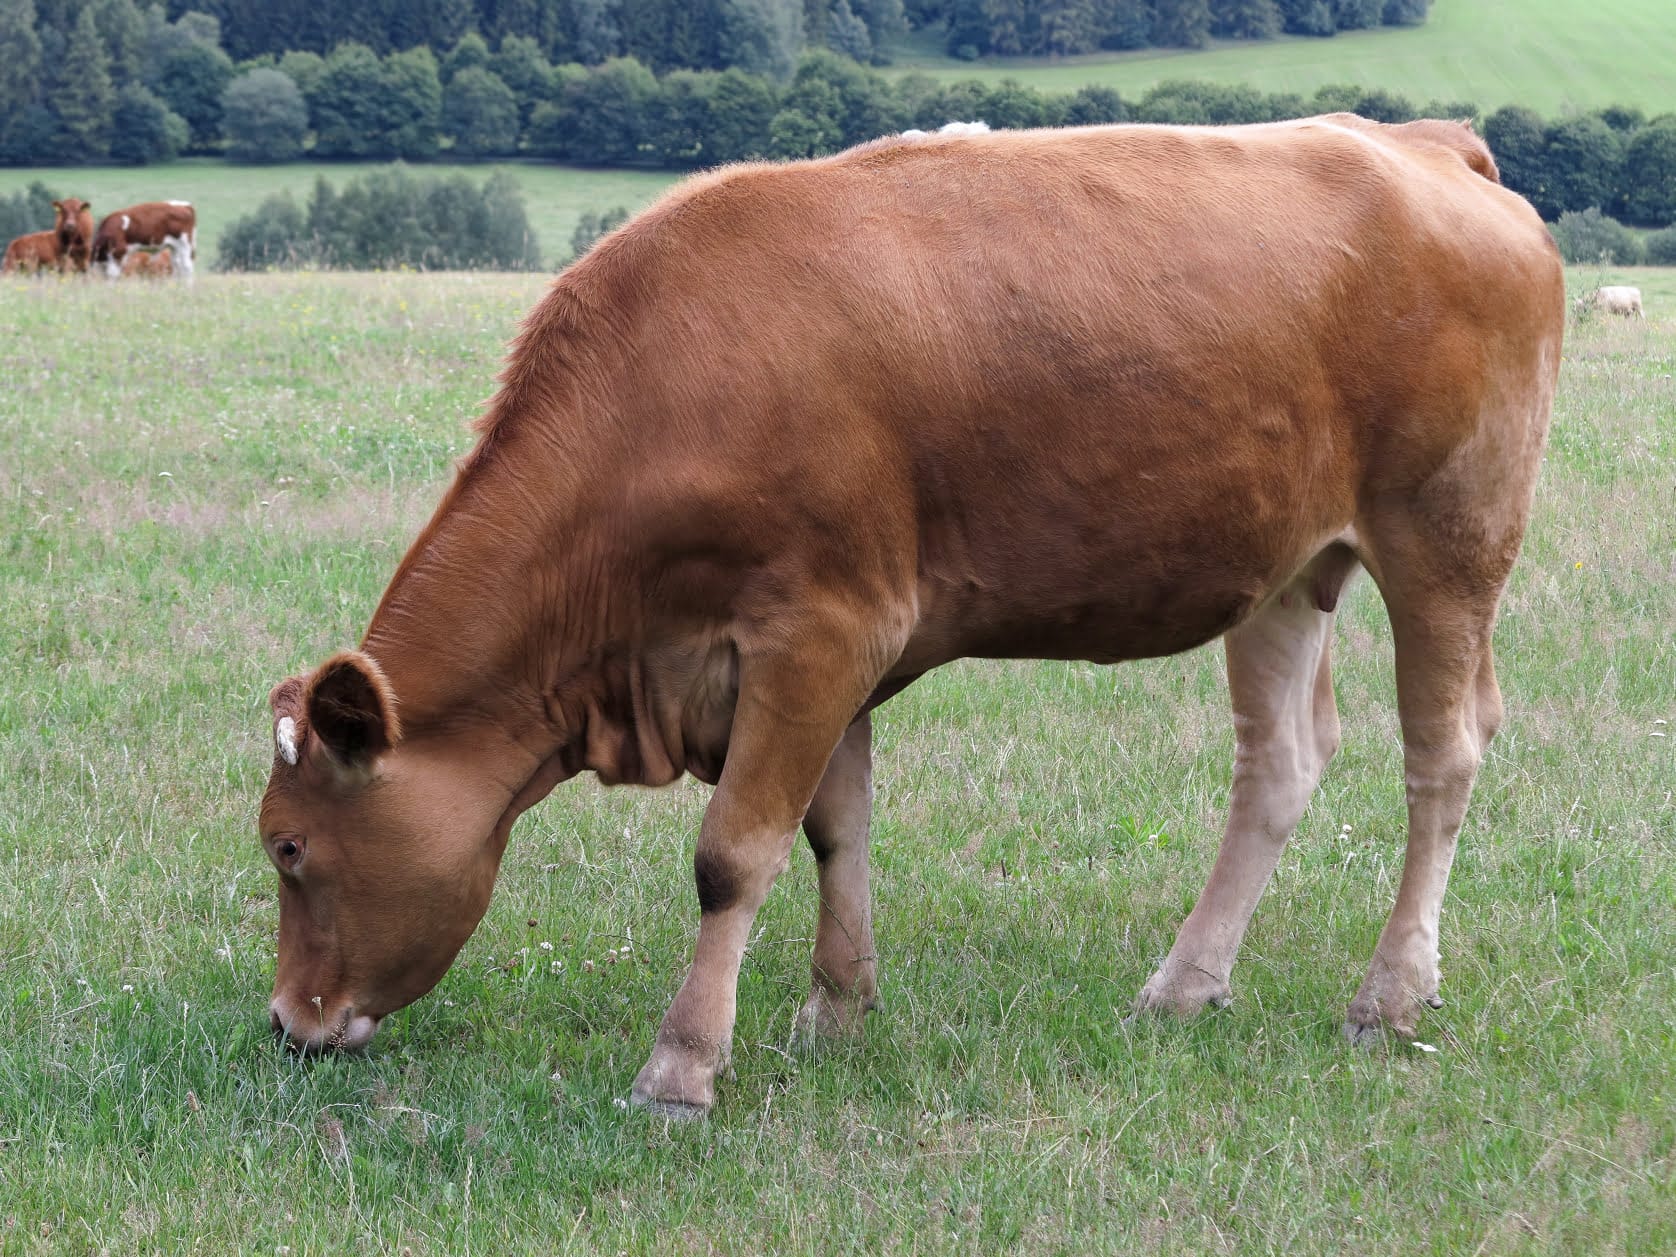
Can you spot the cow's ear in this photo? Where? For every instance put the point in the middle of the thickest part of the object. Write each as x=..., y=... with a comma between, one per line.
x=351, y=709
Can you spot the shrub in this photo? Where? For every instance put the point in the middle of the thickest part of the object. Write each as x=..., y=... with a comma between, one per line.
x=26, y=211
x=264, y=117
x=592, y=226
x=1661, y=247
x=389, y=219
x=1591, y=236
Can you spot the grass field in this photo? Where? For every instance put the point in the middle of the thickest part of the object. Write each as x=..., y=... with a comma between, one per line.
x=201, y=495
x=554, y=196
x=1552, y=55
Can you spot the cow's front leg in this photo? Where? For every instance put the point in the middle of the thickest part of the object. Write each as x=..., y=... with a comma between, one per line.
x=790, y=714
x=844, y=982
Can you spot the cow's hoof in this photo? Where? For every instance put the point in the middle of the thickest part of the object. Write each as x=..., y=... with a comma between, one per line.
x=1183, y=991
x=676, y=1083
x=1370, y=1019
x=828, y=1017
x=672, y=1110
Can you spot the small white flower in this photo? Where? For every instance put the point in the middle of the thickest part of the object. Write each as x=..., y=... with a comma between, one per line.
x=81, y=981
x=624, y=950
x=1423, y=1047
x=127, y=988
x=1346, y=828
x=556, y=966
x=547, y=947
x=448, y=1003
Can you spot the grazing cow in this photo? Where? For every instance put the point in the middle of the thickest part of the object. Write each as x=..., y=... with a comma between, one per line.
x=38, y=251
x=147, y=264
x=75, y=232
x=801, y=433
x=169, y=224
x=1619, y=299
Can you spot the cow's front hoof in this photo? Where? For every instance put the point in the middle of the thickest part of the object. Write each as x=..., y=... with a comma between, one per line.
x=829, y=1016
x=677, y=1083
x=1183, y=990
x=1390, y=1001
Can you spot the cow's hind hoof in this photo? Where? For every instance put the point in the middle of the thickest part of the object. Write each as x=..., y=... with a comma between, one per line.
x=670, y=1110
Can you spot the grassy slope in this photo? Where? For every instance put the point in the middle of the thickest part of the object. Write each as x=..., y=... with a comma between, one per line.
x=1552, y=55
x=555, y=196
x=200, y=495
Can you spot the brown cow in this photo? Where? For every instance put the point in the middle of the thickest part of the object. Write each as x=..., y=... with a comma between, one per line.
x=801, y=433
x=75, y=232
x=38, y=251
x=168, y=224
x=147, y=264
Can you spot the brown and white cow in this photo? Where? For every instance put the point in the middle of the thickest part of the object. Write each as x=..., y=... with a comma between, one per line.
x=801, y=433
x=167, y=224
x=75, y=232
x=147, y=264
x=35, y=252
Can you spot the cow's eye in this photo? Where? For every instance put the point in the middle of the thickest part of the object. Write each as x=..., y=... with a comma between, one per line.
x=288, y=851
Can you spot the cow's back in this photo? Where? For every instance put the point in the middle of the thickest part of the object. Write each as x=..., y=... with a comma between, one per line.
x=1040, y=376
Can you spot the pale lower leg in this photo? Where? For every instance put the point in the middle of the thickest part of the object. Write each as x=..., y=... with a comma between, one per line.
x=1286, y=729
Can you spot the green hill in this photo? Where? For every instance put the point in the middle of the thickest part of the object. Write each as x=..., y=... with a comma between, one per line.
x=1551, y=55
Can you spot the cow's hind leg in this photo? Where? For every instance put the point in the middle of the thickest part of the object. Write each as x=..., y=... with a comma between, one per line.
x=844, y=982
x=1442, y=610
x=1285, y=730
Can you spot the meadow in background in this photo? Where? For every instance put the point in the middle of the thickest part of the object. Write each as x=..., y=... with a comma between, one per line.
x=202, y=491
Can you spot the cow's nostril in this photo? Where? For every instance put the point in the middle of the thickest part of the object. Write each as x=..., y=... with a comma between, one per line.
x=274, y=1021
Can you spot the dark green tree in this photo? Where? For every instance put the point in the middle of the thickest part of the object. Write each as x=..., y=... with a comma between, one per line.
x=82, y=96
x=1125, y=23
x=144, y=129
x=1308, y=17
x=1405, y=12
x=1649, y=174
x=1181, y=23
x=846, y=33
x=470, y=51
x=597, y=36
x=1245, y=19
x=191, y=79
x=1069, y=26
x=761, y=36
x=794, y=133
x=481, y=113
x=1357, y=15
x=1583, y=156
x=264, y=116
x=122, y=27
x=1519, y=143
x=1090, y=105
x=522, y=66
x=410, y=100
x=968, y=30
x=609, y=111
x=742, y=107
x=345, y=105
x=678, y=127
x=20, y=59
x=304, y=69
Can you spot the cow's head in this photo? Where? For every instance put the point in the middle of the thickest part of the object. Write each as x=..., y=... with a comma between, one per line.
x=387, y=848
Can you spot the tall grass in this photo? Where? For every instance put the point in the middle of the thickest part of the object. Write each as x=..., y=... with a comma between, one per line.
x=202, y=493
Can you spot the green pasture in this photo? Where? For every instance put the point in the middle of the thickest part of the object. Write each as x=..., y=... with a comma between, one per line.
x=1552, y=55
x=554, y=196
x=201, y=495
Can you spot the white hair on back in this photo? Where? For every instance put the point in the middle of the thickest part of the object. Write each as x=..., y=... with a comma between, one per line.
x=948, y=128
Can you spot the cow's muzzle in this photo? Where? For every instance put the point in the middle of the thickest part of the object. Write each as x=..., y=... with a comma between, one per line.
x=311, y=1028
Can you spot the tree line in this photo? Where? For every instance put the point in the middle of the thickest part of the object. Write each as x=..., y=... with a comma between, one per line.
x=138, y=87
x=755, y=35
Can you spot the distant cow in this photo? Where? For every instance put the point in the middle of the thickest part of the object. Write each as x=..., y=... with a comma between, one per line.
x=1617, y=299
x=38, y=251
x=75, y=233
x=168, y=224
x=148, y=264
